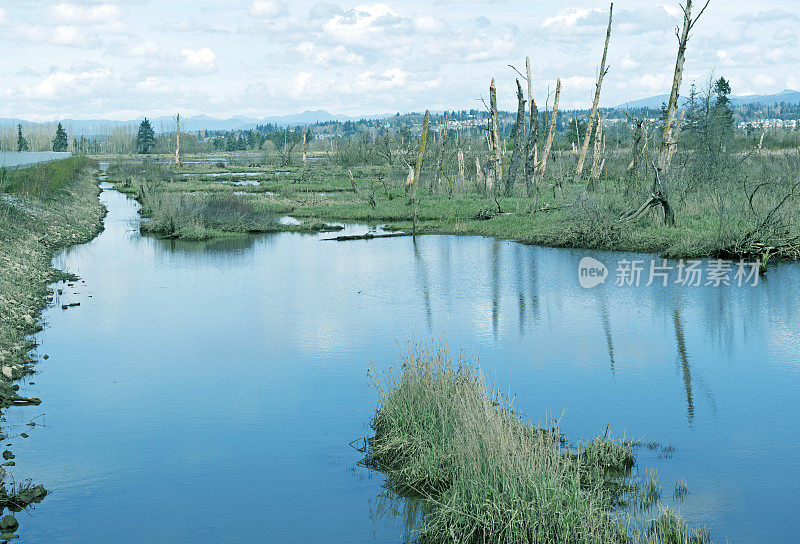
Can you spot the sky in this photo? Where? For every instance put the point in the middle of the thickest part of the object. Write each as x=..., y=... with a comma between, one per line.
x=123, y=59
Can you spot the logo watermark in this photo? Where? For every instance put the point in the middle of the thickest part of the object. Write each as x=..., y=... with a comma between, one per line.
x=591, y=272
x=688, y=273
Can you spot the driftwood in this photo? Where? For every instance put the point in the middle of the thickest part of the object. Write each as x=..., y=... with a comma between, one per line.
x=593, y=113
x=16, y=400
x=367, y=236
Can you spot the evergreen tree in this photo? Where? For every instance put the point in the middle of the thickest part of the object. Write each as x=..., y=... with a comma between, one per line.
x=146, y=138
x=22, y=143
x=722, y=112
x=230, y=141
x=60, y=142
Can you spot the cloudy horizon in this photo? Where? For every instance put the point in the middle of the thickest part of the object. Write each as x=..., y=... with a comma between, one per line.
x=121, y=60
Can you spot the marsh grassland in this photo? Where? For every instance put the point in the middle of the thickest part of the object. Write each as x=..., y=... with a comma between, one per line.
x=754, y=215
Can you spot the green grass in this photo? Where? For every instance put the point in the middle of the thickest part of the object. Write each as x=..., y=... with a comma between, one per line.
x=38, y=216
x=43, y=180
x=483, y=474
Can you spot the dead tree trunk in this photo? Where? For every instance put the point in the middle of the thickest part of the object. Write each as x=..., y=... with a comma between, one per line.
x=593, y=113
x=532, y=144
x=551, y=130
x=304, y=146
x=518, y=135
x=636, y=149
x=494, y=166
x=423, y=139
x=178, y=140
x=675, y=135
x=460, y=169
x=657, y=198
x=597, y=158
x=440, y=163
x=480, y=177
x=668, y=139
x=659, y=193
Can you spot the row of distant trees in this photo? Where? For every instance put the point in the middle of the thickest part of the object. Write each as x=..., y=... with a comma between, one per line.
x=231, y=140
x=60, y=142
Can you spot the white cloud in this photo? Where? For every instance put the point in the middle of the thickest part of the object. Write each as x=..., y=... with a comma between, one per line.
x=74, y=14
x=3, y=17
x=425, y=24
x=60, y=35
x=202, y=59
x=267, y=9
x=323, y=10
x=64, y=83
x=146, y=48
x=327, y=55
x=389, y=79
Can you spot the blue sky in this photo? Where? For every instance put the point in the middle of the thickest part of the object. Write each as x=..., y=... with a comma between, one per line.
x=122, y=59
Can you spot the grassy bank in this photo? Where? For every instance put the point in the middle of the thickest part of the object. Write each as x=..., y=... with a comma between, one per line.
x=563, y=214
x=482, y=474
x=43, y=208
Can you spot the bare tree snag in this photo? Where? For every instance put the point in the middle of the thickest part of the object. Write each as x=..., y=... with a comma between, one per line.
x=437, y=181
x=460, y=168
x=552, y=130
x=675, y=135
x=494, y=166
x=657, y=198
x=593, y=113
x=597, y=158
x=352, y=181
x=304, y=146
x=668, y=139
x=532, y=144
x=178, y=140
x=410, y=178
x=480, y=178
x=518, y=135
x=423, y=140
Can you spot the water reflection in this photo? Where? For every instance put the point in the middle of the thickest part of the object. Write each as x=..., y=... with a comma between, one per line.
x=683, y=357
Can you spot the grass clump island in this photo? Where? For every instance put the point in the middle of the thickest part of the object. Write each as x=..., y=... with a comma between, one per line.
x=482, y=474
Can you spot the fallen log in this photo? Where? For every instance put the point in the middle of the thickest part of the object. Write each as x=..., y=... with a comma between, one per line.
x=367, y=236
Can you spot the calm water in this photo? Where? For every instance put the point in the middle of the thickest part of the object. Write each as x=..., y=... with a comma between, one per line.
x=208, y=392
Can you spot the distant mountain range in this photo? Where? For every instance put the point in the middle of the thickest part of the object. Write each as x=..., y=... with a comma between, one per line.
x=309, y=117
x=200, y=122
x=786, y=96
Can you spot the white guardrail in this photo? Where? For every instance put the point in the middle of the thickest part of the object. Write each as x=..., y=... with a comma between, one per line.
x=10, y=159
